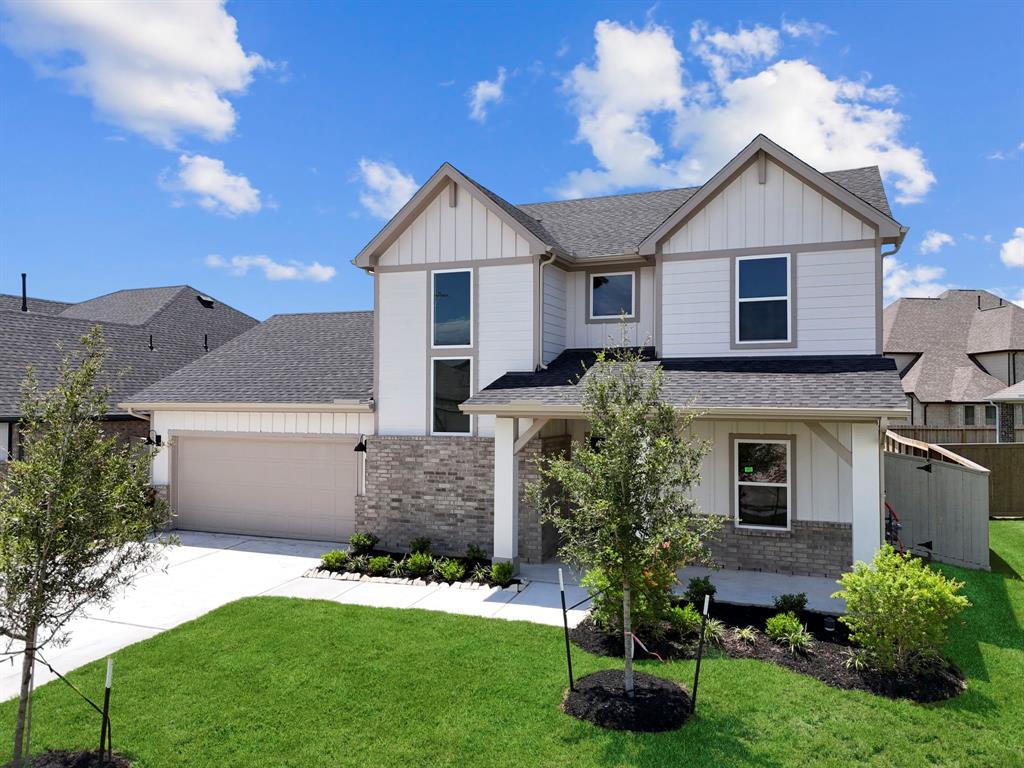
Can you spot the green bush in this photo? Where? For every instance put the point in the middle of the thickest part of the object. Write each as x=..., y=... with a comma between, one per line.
x=357, y=563
x=747, y=635
x=696, y=589
x=397, y=569
x=362, y=543
x=475, y=554
x=899, y=610
x=379, y=566
x=782, y=624
x=502, y=573
x=449, y=570
x=714, y=631
x=650, y=603
x=798, y=640
x=685, y=620
x=482, y=573
x=791, y=602
x=334, y=561
x=420, y=565
x=420, y=545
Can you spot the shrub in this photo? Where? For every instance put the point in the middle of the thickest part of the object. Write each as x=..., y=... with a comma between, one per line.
x=747, y=635
x=780, y=625
x=899, y=610
x=420, y=565
x=397, y=569
x=502, y=573
x=449, y=570
x=475, y=554
x=362, y=543
x=696, y=589
x=357, y=563
x=420, y=545
x=482, y=573
x=790, y=602
x=334, y=561
x=798, y=640
x=714, y=631
x=378, y=566
x=685, y=620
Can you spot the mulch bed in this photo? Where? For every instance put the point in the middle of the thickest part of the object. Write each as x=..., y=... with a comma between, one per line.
x=82, y=759
x=656, y=705
x=590, y=637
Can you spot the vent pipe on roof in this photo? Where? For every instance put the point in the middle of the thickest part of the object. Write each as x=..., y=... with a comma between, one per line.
x=24, y=292
x=151, y=342
x=206, y=342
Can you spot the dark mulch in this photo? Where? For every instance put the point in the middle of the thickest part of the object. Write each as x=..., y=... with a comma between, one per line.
x=755, y=616
x=656, y=705
x=83, y=759
x=591, y=638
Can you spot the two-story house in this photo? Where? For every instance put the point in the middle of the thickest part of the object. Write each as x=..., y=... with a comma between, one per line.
x=758, y=292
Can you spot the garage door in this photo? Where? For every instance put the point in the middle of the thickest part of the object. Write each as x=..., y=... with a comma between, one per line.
x=267, y=486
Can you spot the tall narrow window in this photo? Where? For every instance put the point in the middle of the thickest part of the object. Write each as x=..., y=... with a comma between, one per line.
x=451, y=387
x=762, y=483
x=990, y=415
x=453, y=308
x=612, y=295
x=762, y=299
x=968, y=415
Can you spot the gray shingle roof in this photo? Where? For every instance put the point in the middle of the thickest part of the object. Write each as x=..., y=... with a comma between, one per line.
x=133, y=306
x=303, y=358
x=39, y=306
x=1014, y=394
x=794, y=381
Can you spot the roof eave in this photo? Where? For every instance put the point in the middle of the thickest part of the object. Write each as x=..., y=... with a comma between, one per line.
x=534, y=408
x=336, y=406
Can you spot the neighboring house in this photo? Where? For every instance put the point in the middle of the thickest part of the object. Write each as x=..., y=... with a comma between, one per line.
x=150, y=332
x=1011, y=404
x=759, y=292
x=953, y=352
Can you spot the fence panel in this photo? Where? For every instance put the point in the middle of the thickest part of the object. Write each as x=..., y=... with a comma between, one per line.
x=1005, y=462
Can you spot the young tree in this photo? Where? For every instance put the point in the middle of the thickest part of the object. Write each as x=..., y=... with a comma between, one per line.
x=77, y=521
x=629, y=521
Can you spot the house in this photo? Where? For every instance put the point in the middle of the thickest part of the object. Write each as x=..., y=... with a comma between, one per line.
x=759, y=292
x=953, y=352
x=150, y=333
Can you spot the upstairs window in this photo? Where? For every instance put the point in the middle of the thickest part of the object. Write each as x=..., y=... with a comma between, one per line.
x=452, y=308
x=762, y=299
x=762, y=483
x=451, y=388
x=612, y=295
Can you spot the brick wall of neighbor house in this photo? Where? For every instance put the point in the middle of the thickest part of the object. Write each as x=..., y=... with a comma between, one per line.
x=809, y=549
x=126, y=428
x=1007, y=432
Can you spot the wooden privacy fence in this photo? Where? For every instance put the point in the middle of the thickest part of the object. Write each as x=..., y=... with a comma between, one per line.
x=1005, y=462
x=949, y=435
x=941, y=499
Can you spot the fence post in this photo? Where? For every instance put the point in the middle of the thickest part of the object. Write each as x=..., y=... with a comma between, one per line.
x=700, y=652
x=565, y=629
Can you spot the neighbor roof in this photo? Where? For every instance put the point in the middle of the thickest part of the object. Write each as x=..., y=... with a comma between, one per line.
x=845, y=382
x=300, y=358
x=39, y=306
x=132, y=306
x=1014, y=394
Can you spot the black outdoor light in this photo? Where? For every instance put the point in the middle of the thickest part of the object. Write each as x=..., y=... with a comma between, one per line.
x=361, y=445
x=830, y=623
x=153, y=441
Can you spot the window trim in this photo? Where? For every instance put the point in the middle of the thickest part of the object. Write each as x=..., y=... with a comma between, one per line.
x=632, y=298
x=790, y=442
x=995, y=417
x=789, y=298
x=974, y=414
x=433, y=381
x=472, y=288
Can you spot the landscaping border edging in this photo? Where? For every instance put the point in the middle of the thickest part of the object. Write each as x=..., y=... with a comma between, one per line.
x=318, y=573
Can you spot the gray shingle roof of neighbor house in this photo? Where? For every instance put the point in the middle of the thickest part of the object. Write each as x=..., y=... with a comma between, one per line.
x=844, y=382
x=320, y=357
x=944, y=332
x=39, y=306
x=1014, y=394
x=132, y=306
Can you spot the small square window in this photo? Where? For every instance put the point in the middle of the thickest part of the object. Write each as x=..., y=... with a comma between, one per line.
x=611, y=295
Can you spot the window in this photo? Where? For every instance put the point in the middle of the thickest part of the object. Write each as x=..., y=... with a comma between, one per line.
x=762, y=483
x=972, y=418
x=451, y=388
x=611, y=295
x=762, y=299
x=453, y=308
x=968, y=415
x=990, y=415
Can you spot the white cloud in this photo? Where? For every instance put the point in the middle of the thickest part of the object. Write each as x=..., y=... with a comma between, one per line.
x=1012, y=251
x=638, y=77
x=934, y=241
x=272, y=270
x=900, y=280
x=813, y=30
x=161, y=70
x=216, y=189
x=723, y=53
x=486, y=92
x=385, y=188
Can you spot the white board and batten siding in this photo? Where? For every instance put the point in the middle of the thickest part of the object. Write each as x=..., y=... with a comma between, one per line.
x=466, y=232
x=402, y=352
x=253, y=422
x=581, y=332
x=556, y=287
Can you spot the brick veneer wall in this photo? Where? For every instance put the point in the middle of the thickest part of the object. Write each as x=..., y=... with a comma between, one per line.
x=1007, y=433
x=809, y=549
x=126, y=429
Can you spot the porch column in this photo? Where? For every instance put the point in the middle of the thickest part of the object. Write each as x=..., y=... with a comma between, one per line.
x=867, y=491
x=506, y=490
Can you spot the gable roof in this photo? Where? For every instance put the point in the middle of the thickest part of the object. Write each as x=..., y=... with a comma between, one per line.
x=320, y=357
x=1014, y=394
x=131, y=306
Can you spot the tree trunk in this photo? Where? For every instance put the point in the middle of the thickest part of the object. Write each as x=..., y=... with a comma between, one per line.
x=627, y=637
x=27, y=664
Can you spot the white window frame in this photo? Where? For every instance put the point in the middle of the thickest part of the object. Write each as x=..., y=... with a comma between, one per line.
x=788, y=298
x=632, y=294
x=974, y=415
x=433, y=289
x=433, y=381
x=788, y=485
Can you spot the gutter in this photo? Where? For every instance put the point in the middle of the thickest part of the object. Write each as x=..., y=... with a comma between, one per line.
x=540, y=366
x=338, y=406
x=899, y=243
x=534, y=408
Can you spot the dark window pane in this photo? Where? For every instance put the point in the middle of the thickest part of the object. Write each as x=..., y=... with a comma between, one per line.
x=451, y=308
x=763, y=320
x=990, y=415
x=451, y=388
x=762, y=505
x=969, y=415
x=612, y=295
x=761, y=462
x=763, y=277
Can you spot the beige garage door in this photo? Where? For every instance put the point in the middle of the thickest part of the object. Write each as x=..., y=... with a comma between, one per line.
x=267, y=486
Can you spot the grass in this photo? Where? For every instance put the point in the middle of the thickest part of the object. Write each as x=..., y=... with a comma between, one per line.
x=281, y=682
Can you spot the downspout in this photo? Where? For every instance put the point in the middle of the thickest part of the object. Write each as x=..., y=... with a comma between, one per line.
x=540, y=314
x=899, y=243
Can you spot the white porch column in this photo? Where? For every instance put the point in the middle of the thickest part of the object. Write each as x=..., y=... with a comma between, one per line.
x=867, y=491
x=506, y=490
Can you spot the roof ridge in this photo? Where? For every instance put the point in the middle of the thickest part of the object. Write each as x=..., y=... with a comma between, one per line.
x=608, y=197
x=326, y=312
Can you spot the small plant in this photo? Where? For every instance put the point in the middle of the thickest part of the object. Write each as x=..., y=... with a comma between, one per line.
x=449, y=570
x=397, y=569
x=799, y=641
x=334, y=561
x=696, y=589
x=420, y=565
x=482, y=573
x=780, y=625
x=379, y=566
x=420, y=545
x=502, y=573
x=685, y=620
x=357, y=563
x=475, y=554
x=714, y=631
x=855, y=661
x=790, y=602
x=362, y=543
x=747, y=635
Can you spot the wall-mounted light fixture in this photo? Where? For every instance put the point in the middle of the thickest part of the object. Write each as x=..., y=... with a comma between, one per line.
x=361, y=445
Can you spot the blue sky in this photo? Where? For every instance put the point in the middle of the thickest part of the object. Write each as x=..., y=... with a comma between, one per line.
x=252, y=149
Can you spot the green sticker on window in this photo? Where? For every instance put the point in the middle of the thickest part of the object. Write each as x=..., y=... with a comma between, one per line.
x=748, y=470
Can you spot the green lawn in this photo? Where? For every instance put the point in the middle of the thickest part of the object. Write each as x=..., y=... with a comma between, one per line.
x=279, y=682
